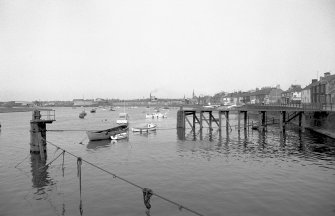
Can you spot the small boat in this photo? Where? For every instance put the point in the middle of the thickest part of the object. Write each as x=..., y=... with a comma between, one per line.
x=106, y=134
x=93, y=110
x=146, y=128
x=156, y=115
x=123, y=119
x=82, y=114
x=119, y=136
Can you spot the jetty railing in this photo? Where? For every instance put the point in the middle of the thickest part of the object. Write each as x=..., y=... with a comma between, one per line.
x=295, y=106
x=48, y=115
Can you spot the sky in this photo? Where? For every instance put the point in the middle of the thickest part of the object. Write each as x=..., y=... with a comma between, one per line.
x=127, y=49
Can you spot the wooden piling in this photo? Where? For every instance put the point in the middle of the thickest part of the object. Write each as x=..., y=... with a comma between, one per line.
x=181, y=118
x=245, y=119
x=238, y=120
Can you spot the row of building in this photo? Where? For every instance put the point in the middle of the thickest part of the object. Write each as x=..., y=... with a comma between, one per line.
x=318, y=91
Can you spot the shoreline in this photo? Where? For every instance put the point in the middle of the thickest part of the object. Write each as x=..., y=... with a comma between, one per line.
x=20, y=109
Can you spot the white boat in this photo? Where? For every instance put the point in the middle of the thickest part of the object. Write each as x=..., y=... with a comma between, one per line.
x=123, y=118
x=146, y=128
x=119, y=136
x=106, y=134
x=156, y=115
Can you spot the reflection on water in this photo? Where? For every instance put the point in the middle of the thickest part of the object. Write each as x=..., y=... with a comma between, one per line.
x=39, y=172
x=256, y=144
x=94, y=145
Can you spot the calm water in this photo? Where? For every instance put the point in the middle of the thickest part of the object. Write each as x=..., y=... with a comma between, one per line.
x=246, y=173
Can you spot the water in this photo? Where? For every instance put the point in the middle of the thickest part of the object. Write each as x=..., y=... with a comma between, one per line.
x=246, y=173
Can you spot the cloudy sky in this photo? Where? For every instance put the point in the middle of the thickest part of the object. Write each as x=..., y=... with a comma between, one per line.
x=65, y=49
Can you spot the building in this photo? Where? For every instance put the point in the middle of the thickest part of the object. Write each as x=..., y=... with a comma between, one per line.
x=306, y=97
x=82, y=102
x=323, y=91
x=266, y=95
x=292, y=95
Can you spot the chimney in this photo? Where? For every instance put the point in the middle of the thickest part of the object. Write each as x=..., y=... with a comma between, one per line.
x=314, y=80
x=327, y=74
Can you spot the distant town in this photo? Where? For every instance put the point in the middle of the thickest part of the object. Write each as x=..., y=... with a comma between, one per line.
x=320, y=91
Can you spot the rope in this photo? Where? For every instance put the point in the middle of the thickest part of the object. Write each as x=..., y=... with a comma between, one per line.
x=79, y=162
x=63, y=168
x=180, y=207
x=50, y=162
x=22, y=161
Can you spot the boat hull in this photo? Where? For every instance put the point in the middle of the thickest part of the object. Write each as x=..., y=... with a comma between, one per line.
x=149, y=127
x=106, y=134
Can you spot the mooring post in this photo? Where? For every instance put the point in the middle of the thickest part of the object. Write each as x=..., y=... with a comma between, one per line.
x=38, y=133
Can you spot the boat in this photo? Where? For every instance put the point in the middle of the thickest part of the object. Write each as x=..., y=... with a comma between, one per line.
x=93, y=110
x=122, y=119
x=156, y=115
x=119, y=136
x=146, y=128
x=82, y=114
x=106, y=134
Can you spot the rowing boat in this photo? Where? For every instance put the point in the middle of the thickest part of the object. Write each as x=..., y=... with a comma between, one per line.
x=106, y=134
x=146, y=128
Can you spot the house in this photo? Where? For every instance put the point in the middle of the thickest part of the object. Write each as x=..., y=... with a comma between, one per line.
x=292, y=95
x=306, y=97
x=323, y=91
x=266, y=95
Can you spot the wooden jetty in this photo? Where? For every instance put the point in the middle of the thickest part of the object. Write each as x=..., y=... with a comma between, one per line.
x=204, y=116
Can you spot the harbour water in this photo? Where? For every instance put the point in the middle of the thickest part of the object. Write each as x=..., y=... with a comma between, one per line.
x=240, y=173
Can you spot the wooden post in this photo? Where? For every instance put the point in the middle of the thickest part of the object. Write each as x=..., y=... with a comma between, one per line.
x=282, y=119
x=245, y=119
x=260, y=121
x=220, y=121
x=238, y=120
x=181, y=118
x=302, y=121
x=210, y=120
x=264, y=120
x=227, y=119
x=194, y=120
x=201, y=119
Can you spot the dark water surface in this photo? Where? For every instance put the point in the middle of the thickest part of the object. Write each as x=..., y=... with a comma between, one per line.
x=246, y=173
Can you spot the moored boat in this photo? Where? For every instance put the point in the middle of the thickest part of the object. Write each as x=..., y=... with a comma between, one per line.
x=156, y=115
x=119, y=136
x=146, y=128
x=82, y=114
x=106, y=134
